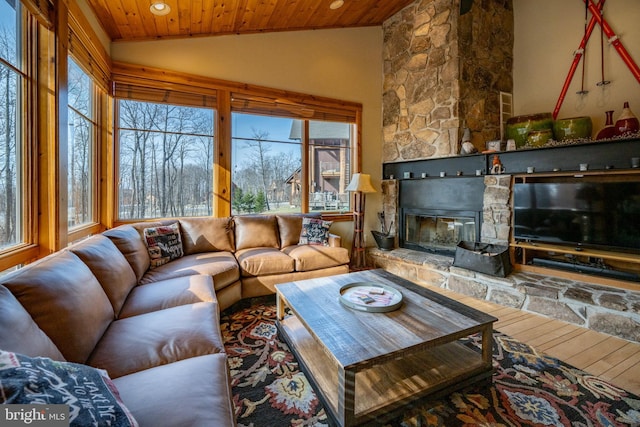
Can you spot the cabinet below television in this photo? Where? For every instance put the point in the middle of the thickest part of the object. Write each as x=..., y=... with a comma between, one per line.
x=579, y=223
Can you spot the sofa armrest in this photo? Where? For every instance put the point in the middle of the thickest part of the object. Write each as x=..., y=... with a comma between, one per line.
x=335, y=240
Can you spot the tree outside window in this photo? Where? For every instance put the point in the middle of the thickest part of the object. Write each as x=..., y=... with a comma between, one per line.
x=165, y=160
x=82, y=146
x=267, y=165
x=10, y=136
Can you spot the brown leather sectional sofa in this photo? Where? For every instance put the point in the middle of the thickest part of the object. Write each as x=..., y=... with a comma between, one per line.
x=156, y=330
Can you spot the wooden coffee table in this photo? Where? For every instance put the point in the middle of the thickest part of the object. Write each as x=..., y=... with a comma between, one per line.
x=367, y=365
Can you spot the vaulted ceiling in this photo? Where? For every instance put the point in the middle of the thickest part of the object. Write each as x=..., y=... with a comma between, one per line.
x=125, y=20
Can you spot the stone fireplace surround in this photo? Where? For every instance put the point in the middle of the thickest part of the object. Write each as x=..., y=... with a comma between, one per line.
x=602, y=308
x=443, y=72
x=607, y=309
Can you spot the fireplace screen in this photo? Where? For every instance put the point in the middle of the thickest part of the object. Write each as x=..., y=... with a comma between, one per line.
x=438, y=232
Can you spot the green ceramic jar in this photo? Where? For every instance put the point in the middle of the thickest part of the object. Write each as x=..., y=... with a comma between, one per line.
x=573, y=128
x=537, y=138
x=518, y=127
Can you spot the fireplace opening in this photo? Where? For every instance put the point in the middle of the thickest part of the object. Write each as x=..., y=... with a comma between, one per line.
x=434, y=214
x=438, y=231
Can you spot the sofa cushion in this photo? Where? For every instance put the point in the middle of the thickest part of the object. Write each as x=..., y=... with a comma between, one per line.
x=266, y=285
x=193, y=392
x=165, y=336
x=110, y=267
x=314, y=257
x=315, y=231
x=290, y=227
x=65, y=299
x=222, y=266
x=18, y=331
x=256, y=231
x=87, y=391
x=263, y=261
x=207, y=235
x=168, y=293
x=164, y=243
x=128, y=240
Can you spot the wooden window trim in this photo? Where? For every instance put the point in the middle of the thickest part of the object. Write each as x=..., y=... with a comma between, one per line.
x=98, y=102
x=85, y=48
x=131, y=81
x=27, y=250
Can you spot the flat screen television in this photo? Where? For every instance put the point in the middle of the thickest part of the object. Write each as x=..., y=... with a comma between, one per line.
x=602, y=215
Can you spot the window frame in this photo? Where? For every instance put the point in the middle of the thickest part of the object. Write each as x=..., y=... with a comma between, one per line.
x=117, y=133
x=309, y=149
x=83, y=229
x=29, y=70
x=135, y=82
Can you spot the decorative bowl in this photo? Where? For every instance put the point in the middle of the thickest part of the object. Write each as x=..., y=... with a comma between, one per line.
x=573, y=128
x=518, y=127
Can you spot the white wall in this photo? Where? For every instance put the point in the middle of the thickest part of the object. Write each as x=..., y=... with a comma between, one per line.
x=547, y=32
x=342, y=63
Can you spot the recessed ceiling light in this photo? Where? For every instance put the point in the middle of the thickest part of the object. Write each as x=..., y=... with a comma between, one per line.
x=336, y=4
x=159, y=8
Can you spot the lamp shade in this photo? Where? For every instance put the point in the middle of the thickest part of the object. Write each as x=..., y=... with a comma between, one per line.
x=361, y=182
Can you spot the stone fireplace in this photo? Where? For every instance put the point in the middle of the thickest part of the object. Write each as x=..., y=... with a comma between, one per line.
x=602, y=308
x=455, y=202
x=444, y=69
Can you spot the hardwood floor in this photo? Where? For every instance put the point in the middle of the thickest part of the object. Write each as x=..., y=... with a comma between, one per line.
x=610, y=358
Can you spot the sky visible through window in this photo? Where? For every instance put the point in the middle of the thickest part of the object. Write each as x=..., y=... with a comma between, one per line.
x=245, y=129
x=8, y=26
x=7, y=14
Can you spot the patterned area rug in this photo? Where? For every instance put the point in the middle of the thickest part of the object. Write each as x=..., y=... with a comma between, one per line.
x=528, y=388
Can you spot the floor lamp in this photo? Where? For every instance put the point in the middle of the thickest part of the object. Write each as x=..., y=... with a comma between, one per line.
x=359, y=185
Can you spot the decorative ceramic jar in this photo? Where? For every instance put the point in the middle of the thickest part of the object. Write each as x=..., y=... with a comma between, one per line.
x=572, y=128
x=608, y=131
x=537, y=138
x=627, y=122
x=518, y=127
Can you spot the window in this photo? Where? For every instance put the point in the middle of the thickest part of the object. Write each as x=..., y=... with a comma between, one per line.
x=165, y=160
x=11, y=141
x=82, y=148
x=330, y=145
x=274, y=151
x=267, y=164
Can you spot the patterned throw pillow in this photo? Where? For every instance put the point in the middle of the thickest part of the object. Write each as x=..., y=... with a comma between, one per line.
x=164, y=243
x=91, y=396
x=315, y=231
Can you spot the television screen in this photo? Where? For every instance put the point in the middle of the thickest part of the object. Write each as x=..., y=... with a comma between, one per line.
x=597, y=214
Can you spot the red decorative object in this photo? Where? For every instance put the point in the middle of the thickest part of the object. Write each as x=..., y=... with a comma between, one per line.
x=614, y=40
x=576, y=60
x=608, y=131
x=627, y=122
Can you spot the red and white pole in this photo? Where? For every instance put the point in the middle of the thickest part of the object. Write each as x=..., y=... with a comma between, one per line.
x=576, y=60
x=614, y=40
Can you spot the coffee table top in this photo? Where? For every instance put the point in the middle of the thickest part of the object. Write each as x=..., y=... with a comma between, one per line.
x=357, y=339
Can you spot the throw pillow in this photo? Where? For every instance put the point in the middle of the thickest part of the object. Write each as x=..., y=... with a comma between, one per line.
x=89, y=392
x=315, y=231
x=164, y=243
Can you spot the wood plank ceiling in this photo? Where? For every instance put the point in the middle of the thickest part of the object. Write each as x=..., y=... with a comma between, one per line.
x=126, y=20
